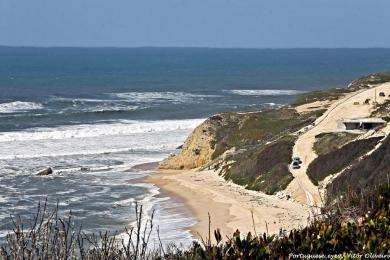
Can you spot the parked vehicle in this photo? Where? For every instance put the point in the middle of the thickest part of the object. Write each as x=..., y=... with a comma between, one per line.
x=382, y=94
x=297, y=159
x=295, y=165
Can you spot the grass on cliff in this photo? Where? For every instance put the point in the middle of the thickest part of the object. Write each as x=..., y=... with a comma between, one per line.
x=336, y=93
x=263, y=167
x=265, y=137
x=371, y=172
x=320, y=95
x=261, y=127
x=336, y=160
x=370, y=79
x=366, y=230
x=328, y=142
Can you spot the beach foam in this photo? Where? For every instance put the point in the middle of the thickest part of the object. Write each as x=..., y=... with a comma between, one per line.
x=19, y=106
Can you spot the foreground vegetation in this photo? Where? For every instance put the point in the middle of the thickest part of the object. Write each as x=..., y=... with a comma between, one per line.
x=351, y=224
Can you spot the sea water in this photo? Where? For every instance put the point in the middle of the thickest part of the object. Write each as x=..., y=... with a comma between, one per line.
x=93, y=113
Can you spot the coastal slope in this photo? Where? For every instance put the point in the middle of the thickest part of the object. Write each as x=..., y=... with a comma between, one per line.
x=236, y=165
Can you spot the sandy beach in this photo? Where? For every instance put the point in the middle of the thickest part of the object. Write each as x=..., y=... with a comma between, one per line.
x=230, y=206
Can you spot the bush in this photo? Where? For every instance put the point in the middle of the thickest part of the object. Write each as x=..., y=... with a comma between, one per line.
x=328, y=142
x=263, y=168
x=334, y=161
x=52, y=237
x=369, y=173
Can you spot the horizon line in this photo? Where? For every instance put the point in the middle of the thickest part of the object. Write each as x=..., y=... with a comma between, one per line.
x=183, y=47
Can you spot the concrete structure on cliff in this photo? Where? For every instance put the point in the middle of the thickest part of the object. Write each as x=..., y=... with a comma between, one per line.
x=361, y=123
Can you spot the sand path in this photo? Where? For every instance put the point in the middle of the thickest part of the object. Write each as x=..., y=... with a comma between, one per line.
x=301, y=188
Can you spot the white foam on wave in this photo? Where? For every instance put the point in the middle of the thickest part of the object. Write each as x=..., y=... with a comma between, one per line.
x=83, y=100
x=265, y=92
x=173, y=225
x=101, y=108
x=116, y=108
x=125, y=136
x=122, y=135
x=95, y=105
x=19, y=106
x=123, y=127
x=148, y=97
x=74, y=152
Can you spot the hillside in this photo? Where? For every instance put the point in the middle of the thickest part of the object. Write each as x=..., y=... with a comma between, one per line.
x=248, y=140
x=370, y=172
x=254, y=149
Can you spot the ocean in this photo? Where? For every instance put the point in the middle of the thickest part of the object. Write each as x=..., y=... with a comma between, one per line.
x=93, y=113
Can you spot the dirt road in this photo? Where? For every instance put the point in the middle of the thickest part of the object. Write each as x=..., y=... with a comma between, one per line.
x=301, y=188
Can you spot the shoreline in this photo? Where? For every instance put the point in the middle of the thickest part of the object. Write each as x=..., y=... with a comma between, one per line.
x=230, y=206
x=169, y=185
x=177, y=204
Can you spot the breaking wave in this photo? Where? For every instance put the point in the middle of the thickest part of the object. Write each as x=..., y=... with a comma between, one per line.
x=19, y=106
x=122, y=127
x=149, y=97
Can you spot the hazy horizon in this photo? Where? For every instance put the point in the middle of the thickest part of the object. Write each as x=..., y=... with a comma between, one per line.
x=184, y=47
x=208, y=24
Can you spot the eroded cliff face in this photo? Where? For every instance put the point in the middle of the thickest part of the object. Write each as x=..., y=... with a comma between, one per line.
x=196, y=151
x=203, y=144
x=226, y=132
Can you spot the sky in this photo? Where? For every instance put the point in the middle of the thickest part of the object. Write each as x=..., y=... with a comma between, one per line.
x=196, y=23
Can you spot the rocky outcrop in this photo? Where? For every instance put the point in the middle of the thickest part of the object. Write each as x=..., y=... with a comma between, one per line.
x=45, y=172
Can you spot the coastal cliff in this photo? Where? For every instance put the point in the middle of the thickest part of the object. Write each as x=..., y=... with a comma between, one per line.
x=204, y=143
x=254, y=149
x=228, y=132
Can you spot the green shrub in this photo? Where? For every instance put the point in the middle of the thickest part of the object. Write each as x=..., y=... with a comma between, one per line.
x=334, y=161
x=245, y=130
x=328, y=142
x=332, y=234
x=369, y=173
x=263, y=167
